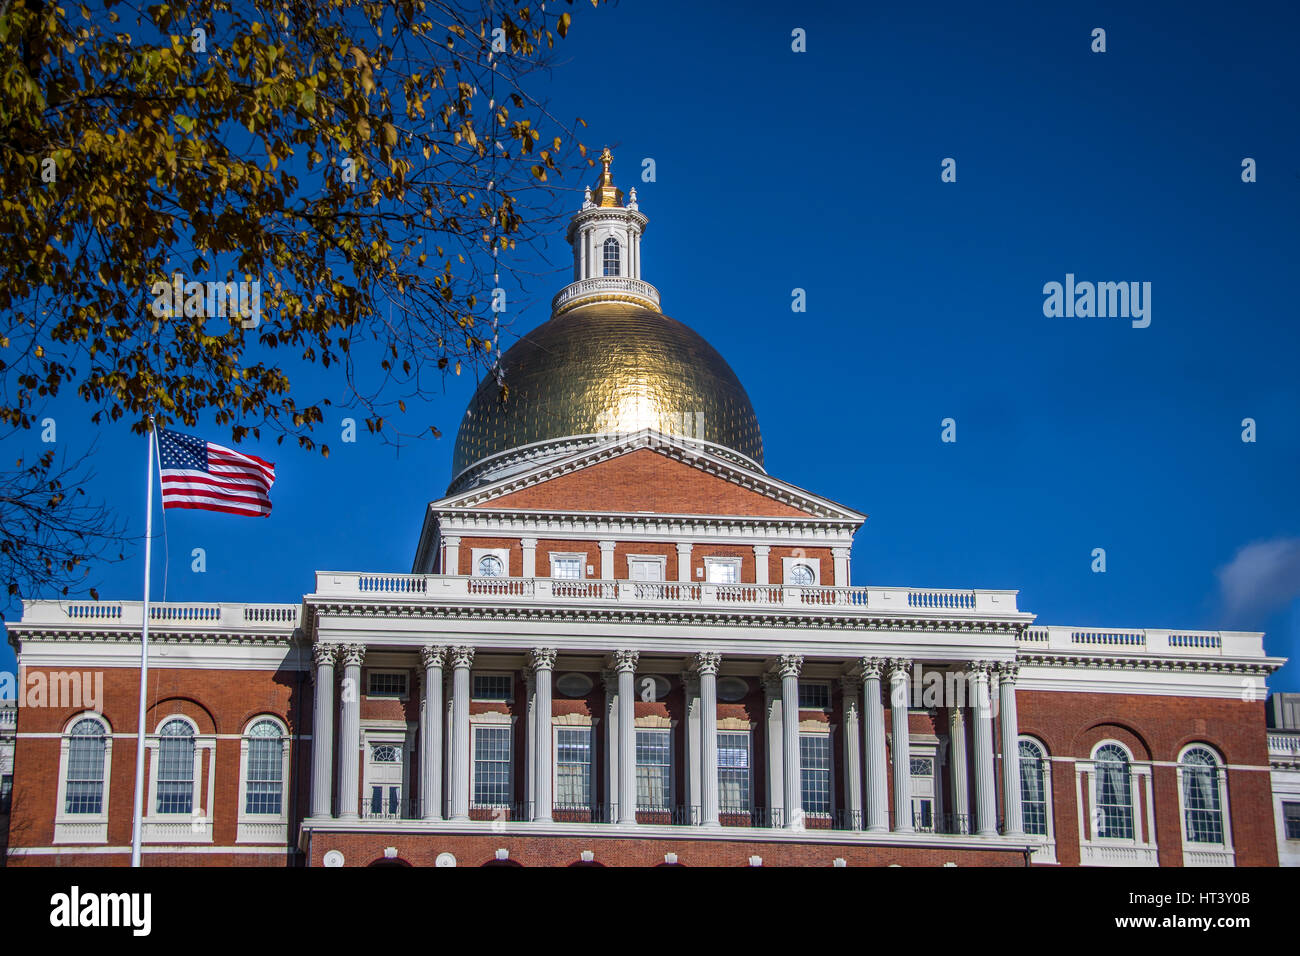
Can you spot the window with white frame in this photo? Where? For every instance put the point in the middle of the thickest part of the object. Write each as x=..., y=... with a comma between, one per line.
x=722, y=570
x=815, y=774
x=567, y=567
x=924, y=792
x=610, y=256
x=387, y=684
x=490, y=566
x=175, y=779
x=733, y=772
x=497, y=687
x=492, y=753
x=814, y=695
x=654, y=769
x=1113, y=803
x=572, y=768
x=83, y=790
x=384, y=777
x=1202, y=796
x=264, y=787
x=1291, y=820
x=1034, y=806
x=646, y=568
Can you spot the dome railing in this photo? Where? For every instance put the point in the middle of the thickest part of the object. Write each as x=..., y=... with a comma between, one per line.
x=599, y=286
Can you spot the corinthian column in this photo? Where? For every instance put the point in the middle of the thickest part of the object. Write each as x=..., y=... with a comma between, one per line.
x=431, y=733
x=542, y=662
x=789, y=666
x=350, y=731
x=706, y=665
x=986, y=801
x=852, y=751
x=874, y=711
x=898, y=674
x=1012, y=824
x=625, y=665
x=322, y=734
x=462, y=659
x=960, y=771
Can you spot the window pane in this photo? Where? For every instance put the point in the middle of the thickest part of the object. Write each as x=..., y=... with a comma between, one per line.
x=84, y=792
x=720, y=573
x=653, y=769
x=176, y=768
x=1291, y=816
x=1033, y=790
x=814, y=696
x=491, y=766
x=566, y=568
x=611, y=251
x=733, y=772
x=388, y=684
x=493, y=687
x=1203, y=817
x=815, y=773
x=1114, y=814
x=265, y=768
x=572, y=768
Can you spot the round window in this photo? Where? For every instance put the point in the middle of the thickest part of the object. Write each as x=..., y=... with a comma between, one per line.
x=650, y=687
x=490, y=566
x=573, y=685
x=732, y=689
x=802, y=576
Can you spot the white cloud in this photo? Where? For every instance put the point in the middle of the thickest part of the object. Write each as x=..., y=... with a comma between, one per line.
x=1261, y=578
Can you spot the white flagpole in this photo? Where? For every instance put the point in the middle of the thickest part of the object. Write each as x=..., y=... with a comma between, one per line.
x=137, y=819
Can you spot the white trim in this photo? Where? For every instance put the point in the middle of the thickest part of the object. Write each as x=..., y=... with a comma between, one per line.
x=196, y=826
x=711, y=561
x=492, y=719
x=263, y=827
x=1139, y=850
x=585, y=570
x=1045, y=852
x=1206, y=854
x=83, y=827
x=660, y=559
x=812, y=564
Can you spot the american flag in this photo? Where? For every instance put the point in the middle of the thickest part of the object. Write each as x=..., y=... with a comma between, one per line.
x=199, y=474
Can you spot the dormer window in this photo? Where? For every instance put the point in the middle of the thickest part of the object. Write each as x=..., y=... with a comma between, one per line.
x=611, y=254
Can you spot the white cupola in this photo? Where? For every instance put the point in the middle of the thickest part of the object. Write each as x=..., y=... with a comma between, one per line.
x=606, y=239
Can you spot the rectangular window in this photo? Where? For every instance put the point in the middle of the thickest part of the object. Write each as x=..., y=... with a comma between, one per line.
x=572, y=768
x=1291, y=817
x=646, y=570
x=85, y=787
x=567, y=568
x=1033, y=791
x=387, y=684
x=6, y=792
x=654, y=769
x=814, y=696
x=815, y=774
x=391, y=806
x=723, y=572
x=498, y=687
x=265, y=766
x=492, y=766
x=733, y=772
x=922, y=773
x=175, y=774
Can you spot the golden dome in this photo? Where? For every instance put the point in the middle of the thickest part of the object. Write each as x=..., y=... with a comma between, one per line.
x=603, y=368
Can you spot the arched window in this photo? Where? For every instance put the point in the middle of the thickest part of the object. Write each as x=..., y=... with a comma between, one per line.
x=611, y=255
x=1033, y=787
x=1114, y=793
x=176, y=767
x=264, y=789
x=490, y=566
x=1202, y=806
x=84, y=785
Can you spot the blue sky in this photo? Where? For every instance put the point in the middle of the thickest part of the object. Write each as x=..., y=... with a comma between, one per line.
x=821, y=170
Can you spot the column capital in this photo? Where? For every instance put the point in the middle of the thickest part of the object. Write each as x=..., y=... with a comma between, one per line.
x=609, y=678
x=707, y=662
x=691, y=681
x=771, y=684
x=1008, y=671
x=462, y=656
x=542, y=658
x=351, y=655
x=789, y=665
x=625, y=661
x=432, y=655
x=606, y=545
x=979, y=670
x=683, y=547
x=452, y=540
x=840, y=552
x=324, y=654
x=762, y=550
x=850, y=687
x=899, y=666
x=872, y=667
x=528, y=542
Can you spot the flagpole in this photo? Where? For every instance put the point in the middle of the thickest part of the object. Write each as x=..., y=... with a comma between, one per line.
x=137, y=819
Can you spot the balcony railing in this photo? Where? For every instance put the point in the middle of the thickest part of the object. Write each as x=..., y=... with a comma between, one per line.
x=599, y=286
x=923, y=601
x=1123, y=641
x=166, y=616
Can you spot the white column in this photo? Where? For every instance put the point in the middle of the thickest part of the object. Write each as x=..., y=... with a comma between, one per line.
x=706, y=665
x=1012, y=824
x=322, y=731
x=448, y=738
x=625, y=664
x=874, y=711
x=960, y=771
x=606, y=560
x=542, y=661
x=902, y=740
x=761, y=553
x=841, y=556
x=986, y=807
x=692, y=759
x=850, y=695
x=611, y=774
x=452, y=564
x=683, y=562
x=789, y=666
x=350, y=731
x=530, y=556
x=530, y=742
x=775, y=749
x=462, y=659
x=431, y=733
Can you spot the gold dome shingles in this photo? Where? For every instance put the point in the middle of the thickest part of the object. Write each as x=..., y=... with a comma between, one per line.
x=609, y=368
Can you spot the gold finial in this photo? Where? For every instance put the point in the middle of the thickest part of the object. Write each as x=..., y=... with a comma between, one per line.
x=605, y=193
